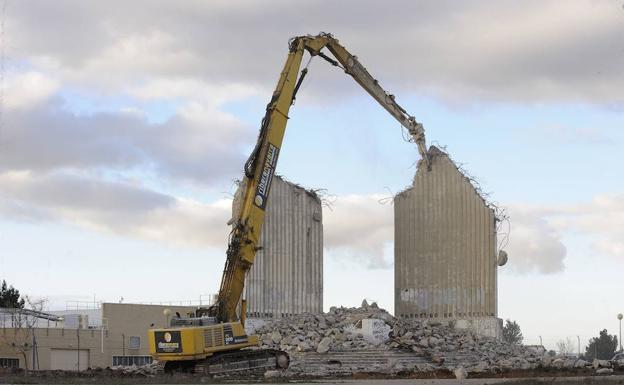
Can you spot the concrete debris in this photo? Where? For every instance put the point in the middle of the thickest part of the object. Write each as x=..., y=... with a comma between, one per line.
x=323, y=346
x=276, y=337
x=338, y=330
x=601, y=364
x=330, y=344
x=604, y=371
x=144, y=370
x=272, y=374
x=460, y=373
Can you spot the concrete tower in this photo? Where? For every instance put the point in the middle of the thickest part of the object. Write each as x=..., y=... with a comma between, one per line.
x=445, y=249
x=287, y=275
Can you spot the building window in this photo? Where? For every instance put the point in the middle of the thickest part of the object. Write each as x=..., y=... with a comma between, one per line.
x=131, y=360
x=134, y=342
x=9, y=362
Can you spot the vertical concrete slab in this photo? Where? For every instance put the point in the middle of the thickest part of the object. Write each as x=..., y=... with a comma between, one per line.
x=445, y=246
x=287, y=275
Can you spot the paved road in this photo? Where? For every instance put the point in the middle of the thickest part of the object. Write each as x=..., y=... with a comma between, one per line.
x=603, y=380
x=606, y=380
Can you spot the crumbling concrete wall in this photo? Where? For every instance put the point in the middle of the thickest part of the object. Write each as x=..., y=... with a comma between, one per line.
x=445, y=246
x=287, y=275
x=482, y=326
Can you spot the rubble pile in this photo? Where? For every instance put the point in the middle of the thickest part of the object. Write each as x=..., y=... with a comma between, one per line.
x=434, y=345
x=338, y=330
x=476, y=354
x=143, y=370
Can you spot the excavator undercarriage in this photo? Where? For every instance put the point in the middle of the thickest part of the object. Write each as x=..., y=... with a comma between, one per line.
x=244, y=360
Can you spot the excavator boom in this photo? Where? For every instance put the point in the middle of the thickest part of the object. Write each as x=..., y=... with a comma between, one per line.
x=260, y=167
x=211, y=341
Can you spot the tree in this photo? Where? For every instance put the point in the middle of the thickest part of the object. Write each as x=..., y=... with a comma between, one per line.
x=512, y=333
x=10, y=297
x=23, y=322
x=565, y=347
x=602, y=347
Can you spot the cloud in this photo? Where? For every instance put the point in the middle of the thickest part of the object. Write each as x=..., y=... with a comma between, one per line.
x=538, y=233
x=113, y=207
x=567, y=134
x=601, y=219
x=358, y=228
x=535, y=245
x=551, y=50
x=200, y=144
x=198, y=56
x=28, y=88
x=210, y=94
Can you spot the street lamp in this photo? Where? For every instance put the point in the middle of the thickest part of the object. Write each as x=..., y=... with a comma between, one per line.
x=620, y=316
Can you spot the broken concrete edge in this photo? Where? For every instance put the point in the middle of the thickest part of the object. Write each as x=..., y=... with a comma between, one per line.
x=315, y=194
x=500, y=212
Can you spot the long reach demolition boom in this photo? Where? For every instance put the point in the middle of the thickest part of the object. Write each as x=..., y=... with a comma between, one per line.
x=211, y=340
x=260, y=167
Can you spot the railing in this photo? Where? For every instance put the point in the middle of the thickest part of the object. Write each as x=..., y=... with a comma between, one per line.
x=204, y=300
x=83, y=305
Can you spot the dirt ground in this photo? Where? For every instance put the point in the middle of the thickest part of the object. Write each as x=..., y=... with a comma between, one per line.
x=442, y=379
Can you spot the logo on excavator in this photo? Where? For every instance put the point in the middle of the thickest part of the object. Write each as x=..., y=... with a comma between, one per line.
x=266, y=177
x=168, y=342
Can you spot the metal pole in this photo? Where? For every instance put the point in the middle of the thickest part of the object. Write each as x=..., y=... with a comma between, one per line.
x=78, y=334
x=619, y=317
x=579, y=345
x=541, y=344
x=33, y=350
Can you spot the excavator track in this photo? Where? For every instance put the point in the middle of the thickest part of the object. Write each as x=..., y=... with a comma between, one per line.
x=243, y=360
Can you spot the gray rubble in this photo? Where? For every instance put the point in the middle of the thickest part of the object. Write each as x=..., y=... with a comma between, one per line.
x=143, y=370
x=401, y=345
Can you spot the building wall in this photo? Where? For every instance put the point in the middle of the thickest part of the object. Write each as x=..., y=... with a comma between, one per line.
x=135, y=320
x=101, y=345
x=445, y=246
x=287, y=275
x=120, y=322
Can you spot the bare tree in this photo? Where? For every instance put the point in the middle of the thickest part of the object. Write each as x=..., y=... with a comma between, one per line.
x=565, y=347
x=23, y=322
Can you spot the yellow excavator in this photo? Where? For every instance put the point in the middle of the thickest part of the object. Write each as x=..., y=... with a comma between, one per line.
x=213, y=340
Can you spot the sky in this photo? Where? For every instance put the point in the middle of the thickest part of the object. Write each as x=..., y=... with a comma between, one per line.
x=124, y=126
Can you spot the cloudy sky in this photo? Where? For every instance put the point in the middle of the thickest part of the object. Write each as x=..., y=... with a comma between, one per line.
x=125, y=124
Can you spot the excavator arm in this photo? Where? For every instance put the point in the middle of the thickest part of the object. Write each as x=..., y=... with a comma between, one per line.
x=260, y=167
